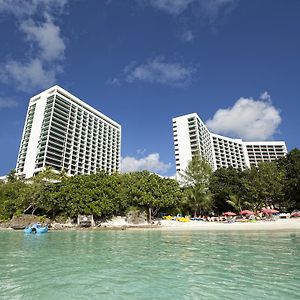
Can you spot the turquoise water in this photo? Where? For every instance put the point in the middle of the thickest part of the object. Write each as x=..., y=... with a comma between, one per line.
x=150, y=265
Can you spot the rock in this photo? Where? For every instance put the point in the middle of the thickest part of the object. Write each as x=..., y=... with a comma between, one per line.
x=20, y=222
x=4, y=224
x=136, y=217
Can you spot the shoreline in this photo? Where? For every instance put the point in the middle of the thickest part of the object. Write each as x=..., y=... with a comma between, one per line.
x=278, y=225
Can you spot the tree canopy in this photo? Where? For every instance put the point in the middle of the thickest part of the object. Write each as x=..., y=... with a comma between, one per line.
x=196, y=179
x=50, y=194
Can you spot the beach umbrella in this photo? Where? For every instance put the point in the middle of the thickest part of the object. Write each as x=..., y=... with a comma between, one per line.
x=295, y=214
x=269, y=211
x=246, y=212
x=229, y=213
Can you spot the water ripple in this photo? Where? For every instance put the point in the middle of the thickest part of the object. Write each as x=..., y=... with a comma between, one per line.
x=150, y=265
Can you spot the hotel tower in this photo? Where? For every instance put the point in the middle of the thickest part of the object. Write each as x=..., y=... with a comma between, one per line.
x=191, y=137
x=65, y=133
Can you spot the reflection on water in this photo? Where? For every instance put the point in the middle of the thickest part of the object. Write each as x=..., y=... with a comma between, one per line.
x=150, y=265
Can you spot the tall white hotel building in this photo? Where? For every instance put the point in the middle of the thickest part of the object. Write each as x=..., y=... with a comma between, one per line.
x=191, y=137
x=65, y=133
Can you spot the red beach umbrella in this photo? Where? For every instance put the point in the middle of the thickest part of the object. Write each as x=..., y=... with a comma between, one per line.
x=229, y=213
x=295, y=214
x=246, y=212
x=269, y=211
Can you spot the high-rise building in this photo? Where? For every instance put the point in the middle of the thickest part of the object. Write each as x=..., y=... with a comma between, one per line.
x=65, y=133
x=191, y=137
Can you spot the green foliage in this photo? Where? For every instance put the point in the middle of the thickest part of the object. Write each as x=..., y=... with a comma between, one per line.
x=263, y=185
x=238, y=203
x=146, y=190
x=226, y=183
x=42, y=219
x=291, y=166
x=53, y=195
x=196, y=179
x=10, y=198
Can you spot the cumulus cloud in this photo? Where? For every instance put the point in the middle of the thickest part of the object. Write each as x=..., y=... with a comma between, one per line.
x=193, y=13
x=26, y=8
x=209, y=9
x=157, y=70
x=174, y=7
x=47, y=36
x=141, y=151
x=151, y=163
x=28, y=75
x=42, y=66
x=248, y=119
x=7, y=102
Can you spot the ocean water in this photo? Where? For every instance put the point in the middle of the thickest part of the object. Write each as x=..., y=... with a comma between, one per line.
x=150, y=265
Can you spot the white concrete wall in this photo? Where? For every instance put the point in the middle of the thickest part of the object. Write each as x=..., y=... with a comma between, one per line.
x=184, y=147
x=184, y=152
x=40, y=100
x=30, y=158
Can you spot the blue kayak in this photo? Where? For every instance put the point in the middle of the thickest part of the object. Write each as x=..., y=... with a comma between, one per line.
x=36, y=228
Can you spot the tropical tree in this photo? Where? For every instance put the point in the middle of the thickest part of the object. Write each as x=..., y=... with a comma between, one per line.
x=263, y=185
x=291, y=165
x=150, y=191
x=196, y=179
x=87, y=194
x=227, y=189
x=10, y=198
x=34, y=196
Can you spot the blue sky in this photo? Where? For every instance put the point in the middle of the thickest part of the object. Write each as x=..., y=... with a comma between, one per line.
x=142, y=62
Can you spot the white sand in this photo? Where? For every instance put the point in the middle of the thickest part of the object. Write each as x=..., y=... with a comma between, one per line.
x=282, y=224
x=278, y=225
x=119, y=222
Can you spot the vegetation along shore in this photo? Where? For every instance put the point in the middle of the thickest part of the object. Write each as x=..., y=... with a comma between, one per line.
x=58, y=197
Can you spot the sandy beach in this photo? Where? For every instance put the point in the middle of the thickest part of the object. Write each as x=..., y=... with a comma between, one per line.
x=171, y=225
x=278, y=225
x=119, y=223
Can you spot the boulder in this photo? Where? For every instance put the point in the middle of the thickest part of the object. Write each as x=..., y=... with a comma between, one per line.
x=20, y=222
x=136, y=217
x=4, y=224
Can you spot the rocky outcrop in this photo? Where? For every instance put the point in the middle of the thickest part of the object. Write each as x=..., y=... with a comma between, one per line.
x=136, y=217
x=4, y=224
x=62, y=226
x=20, y=222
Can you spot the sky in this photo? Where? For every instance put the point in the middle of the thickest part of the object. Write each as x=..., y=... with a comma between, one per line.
x=142, y=62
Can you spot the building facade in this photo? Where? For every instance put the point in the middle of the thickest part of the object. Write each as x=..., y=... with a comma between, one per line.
x=65, y=133
x=191, y=137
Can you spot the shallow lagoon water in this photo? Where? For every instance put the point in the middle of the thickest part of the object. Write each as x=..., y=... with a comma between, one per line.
x=150, y=265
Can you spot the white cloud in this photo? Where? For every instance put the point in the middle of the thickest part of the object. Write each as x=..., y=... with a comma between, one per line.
x=115, y=82
x=174, y=7
x=29, y=75
x=211, y=9
x=25, y=8
x=41, y=67
x=201, y=8
x=141, y=151
x=248, y=118
x=158, y=71
x=193, y=13
x=265, y=96
x=7, y=103
x=187, y=36
x=151, y=163
x=47, y=36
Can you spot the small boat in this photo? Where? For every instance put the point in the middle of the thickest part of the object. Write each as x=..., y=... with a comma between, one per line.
x=36, y=228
